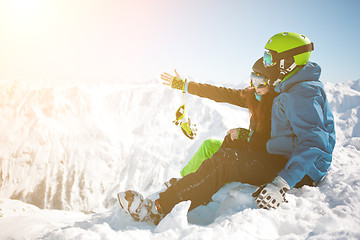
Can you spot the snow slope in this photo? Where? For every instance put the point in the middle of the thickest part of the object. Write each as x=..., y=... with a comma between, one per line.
x=67, y=149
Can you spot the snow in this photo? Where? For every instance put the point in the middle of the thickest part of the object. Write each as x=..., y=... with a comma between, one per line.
x=66, y=149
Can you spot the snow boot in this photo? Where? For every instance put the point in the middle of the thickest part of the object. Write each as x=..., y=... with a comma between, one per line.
x=140, y=209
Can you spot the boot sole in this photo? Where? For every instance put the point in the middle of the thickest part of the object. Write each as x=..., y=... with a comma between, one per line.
x=120, y=196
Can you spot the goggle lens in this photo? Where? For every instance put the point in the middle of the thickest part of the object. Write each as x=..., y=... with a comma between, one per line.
x=268, y=59
x=257, y=80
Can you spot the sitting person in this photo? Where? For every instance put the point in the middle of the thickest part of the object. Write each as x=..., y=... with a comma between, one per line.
x=298, y=153
x=258, y=99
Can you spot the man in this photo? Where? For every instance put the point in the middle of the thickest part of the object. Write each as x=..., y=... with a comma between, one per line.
x=302, y=123
x=299, y=151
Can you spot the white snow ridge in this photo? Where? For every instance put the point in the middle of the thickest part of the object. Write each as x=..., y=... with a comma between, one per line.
x=67, y=149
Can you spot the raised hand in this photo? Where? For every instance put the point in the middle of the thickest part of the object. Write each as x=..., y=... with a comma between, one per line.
x=174, y=81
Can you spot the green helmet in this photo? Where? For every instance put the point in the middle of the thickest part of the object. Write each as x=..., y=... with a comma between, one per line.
x=289, y=44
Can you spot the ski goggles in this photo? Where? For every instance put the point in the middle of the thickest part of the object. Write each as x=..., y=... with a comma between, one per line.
x=271, y=57
x=258, y=80
x=268, y=59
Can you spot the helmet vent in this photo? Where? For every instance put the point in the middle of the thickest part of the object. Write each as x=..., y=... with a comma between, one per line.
x=302, y=36
x=284, y=33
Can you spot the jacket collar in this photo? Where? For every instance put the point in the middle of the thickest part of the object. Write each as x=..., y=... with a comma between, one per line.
x=310, y=72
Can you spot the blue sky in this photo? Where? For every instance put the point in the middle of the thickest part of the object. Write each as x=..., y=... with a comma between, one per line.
x=205, y=40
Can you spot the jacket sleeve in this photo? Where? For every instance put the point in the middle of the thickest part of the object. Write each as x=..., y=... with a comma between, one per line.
x=219, y=94
x=312, y=124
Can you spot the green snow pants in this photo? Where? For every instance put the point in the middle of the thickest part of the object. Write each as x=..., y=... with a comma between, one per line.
x=205, y=151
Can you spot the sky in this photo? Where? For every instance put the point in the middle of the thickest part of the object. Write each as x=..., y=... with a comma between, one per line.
x=205, y=40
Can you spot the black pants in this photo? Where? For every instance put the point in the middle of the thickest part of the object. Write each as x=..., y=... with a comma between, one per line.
x=226, y=165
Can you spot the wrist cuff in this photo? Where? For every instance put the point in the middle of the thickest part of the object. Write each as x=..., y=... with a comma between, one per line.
x=280, y=182
x=186, y=86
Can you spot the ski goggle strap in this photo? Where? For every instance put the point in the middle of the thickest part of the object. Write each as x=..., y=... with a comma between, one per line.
x=271, y=57
x=258, y=80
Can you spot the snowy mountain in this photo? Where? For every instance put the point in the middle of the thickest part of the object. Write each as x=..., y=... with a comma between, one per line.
x=72, y=147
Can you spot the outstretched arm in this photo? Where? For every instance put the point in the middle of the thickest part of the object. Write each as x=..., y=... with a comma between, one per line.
x=218, y=94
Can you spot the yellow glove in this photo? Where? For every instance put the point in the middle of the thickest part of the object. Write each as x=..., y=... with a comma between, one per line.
x=175, y=81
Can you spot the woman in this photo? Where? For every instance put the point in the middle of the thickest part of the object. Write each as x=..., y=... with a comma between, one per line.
x=258, y=99
x=243, y=159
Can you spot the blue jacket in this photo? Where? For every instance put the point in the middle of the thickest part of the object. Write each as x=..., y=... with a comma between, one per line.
x=302, y=126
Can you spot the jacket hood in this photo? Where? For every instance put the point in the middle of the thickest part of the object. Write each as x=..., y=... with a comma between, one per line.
x=310, y=72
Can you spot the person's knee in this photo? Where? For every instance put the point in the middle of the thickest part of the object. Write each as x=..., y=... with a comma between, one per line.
x=228, y=153
x=210, y=146
x=208, y=142
x=223, y=157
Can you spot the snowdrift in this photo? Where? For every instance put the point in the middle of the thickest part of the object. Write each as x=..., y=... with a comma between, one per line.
x=74, y=146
